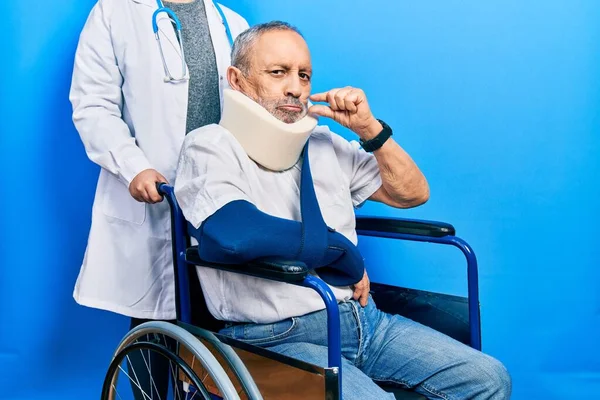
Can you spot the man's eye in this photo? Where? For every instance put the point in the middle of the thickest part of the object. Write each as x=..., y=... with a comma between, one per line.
x=277, y=72
x=304, y=76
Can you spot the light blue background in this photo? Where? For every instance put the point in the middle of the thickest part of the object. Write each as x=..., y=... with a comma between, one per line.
x=497, y=101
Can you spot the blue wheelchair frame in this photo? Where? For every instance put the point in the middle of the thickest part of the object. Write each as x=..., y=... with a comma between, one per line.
x=394, y=228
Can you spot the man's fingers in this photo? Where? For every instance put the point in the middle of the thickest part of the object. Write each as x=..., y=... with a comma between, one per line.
x=349, y=103
x=145, y=196
x=340, y=98
x=161, y=179
x=319, y=96
x=331, y=99
x=136, y=193
x=153, y=195
x=323, y=111
x=143, y=187
x=366, y=286
x=137, y=196
x=364, y=297
x=361, y=294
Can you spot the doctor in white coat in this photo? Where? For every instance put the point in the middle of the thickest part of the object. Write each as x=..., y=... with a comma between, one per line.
x=132, y=122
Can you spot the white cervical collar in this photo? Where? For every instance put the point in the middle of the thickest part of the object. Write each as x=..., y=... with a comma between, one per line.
x=267, y=140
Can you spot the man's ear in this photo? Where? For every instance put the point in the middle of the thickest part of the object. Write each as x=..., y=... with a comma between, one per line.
x=235, y=78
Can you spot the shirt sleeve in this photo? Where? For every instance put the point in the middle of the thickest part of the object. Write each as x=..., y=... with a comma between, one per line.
x=210, y=174
x=97, y=100
x=360, y=168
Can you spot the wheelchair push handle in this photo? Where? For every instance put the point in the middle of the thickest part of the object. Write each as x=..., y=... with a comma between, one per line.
x=168, y=192
x=162, y=188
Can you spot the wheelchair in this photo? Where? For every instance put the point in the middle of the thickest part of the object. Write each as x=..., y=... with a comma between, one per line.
x=206, y=365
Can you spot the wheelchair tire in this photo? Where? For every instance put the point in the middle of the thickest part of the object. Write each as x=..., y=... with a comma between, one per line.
x=109, y=386
x=235, y=363
x=182, y=338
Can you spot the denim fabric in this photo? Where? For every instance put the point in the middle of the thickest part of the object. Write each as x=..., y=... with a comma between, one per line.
x=387, y=348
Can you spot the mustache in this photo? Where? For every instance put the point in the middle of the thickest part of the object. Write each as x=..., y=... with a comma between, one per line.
x=290, y=100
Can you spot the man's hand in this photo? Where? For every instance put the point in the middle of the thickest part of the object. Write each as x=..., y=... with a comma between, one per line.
x=348, y=107
x=361, y=290
x=143, y=186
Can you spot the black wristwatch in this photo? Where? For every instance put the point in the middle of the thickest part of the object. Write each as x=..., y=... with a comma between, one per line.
x=378, y=141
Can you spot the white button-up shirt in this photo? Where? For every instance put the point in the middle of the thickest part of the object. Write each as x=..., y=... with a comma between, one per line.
x=215, y=170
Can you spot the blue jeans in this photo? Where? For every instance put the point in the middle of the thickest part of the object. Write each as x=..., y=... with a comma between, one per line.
x=385, y=348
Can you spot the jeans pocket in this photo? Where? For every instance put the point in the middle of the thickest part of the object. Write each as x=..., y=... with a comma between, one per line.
x=265, y=334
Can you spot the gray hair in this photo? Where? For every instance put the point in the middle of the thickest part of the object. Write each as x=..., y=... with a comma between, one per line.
x=240, y=53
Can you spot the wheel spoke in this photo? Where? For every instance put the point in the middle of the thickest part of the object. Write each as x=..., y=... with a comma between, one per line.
x=183, y=376
x=175, y=381
x=137, y=382
x=149, y=368
x=117, y=392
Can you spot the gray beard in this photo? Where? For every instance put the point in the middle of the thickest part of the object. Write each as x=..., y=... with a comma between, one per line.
x=289, y=117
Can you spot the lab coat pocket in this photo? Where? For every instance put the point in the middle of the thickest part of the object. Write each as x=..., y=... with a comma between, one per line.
x=118, y=203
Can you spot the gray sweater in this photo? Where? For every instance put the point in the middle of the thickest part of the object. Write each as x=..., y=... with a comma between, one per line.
x=203, y=99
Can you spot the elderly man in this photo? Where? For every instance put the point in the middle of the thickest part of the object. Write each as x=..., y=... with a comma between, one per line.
x=217, y=179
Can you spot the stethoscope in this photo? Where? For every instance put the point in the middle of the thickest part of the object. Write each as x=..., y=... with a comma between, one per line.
x=161, y=8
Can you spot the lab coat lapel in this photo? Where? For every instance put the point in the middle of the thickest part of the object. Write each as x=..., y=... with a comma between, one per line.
x=168, y=38
x=150, y=3
x=220, y=43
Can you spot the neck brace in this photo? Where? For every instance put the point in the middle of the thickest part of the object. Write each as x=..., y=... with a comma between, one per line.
x=267, y=140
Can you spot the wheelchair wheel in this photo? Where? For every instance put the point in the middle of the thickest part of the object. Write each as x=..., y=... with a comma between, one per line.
x=148, y=342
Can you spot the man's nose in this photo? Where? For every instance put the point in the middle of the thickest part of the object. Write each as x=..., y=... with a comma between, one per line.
x=293, y=87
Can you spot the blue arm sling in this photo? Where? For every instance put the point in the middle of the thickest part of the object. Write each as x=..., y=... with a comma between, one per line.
x=239, y=232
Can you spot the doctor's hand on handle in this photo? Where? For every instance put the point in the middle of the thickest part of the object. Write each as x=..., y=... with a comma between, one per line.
x=348, y=107
x=143, y=186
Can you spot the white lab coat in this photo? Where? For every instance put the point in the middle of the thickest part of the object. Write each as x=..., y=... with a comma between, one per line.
x=130, y=120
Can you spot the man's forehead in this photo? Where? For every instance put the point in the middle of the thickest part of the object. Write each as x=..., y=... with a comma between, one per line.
x=282, y=47
x=286, y=63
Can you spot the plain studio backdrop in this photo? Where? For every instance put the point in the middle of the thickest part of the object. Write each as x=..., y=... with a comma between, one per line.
x=497, y=101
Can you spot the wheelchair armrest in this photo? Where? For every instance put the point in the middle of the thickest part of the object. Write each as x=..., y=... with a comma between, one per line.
x=274, y=269
x=405, y=226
